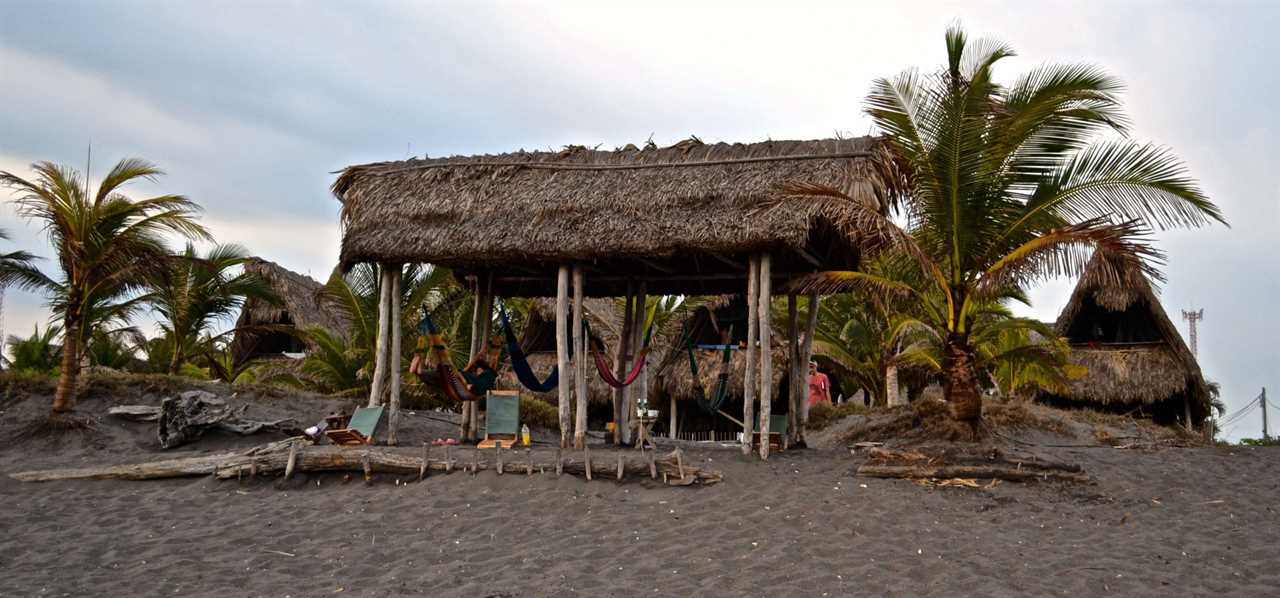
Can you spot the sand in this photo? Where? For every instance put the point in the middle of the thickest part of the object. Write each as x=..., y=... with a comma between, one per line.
x=1167, y=522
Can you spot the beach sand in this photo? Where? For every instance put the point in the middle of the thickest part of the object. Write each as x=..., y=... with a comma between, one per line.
x=1174, y=521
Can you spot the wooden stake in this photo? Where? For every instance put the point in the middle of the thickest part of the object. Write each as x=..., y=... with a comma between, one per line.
x=766, y=353
x=393, y=358
x=500, y=464
x=579, y=361
x=368, y=469
x=653, y=466
x=680, y=463
x=587, y=455
x=528, y=456
x=384, y=321
x=426, y=462
x=559, y=462
x=448, y=459
x=475, y=461
x=753, y=333
x=674, y=423
x=562, y=352
x=619, y=467
x=293, y=461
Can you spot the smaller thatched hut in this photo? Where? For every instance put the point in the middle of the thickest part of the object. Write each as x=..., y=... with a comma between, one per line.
x=264, y=330
x=1135, y=359
x=538, y=341
x=676, y=385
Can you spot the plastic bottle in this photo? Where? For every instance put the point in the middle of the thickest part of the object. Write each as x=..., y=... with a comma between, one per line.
x=524, y=434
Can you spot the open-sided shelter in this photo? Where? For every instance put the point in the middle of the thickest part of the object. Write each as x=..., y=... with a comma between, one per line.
x=691, y=219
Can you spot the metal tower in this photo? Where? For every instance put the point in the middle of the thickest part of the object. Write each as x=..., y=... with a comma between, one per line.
x=1193, y=317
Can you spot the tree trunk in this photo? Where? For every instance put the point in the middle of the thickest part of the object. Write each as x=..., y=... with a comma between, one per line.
x=380, y=355
x=393, y=360
x=766, y=353
x=891, y=392
x=749, y=376
x=562, y=353
x=64, y=397
x=960, y=381
x=579, y=360
x=620, y=370
x=175, y=364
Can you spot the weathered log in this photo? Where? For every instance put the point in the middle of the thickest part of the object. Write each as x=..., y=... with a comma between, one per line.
x=992, y=457
x=139, y=413
x=1000, y=472
x=308, y=458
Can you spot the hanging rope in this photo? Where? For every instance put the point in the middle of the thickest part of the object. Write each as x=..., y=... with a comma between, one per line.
x=605, y=369
x=520, y=361
x=721, y=395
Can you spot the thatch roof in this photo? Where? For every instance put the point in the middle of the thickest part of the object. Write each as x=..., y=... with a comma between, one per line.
x=302, y=305
x=1132, y=351
x=683, y=216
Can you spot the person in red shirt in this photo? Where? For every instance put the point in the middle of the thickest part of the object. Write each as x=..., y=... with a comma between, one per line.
x=819, y=386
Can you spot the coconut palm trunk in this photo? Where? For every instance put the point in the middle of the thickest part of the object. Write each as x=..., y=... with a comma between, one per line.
x=64, y=396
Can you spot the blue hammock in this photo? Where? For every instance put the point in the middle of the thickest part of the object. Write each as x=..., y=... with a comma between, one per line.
x=520, y=362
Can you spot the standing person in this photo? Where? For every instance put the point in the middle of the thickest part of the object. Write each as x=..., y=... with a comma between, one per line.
x=819, y=386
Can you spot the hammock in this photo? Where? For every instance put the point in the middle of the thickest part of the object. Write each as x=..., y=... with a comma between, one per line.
x=520, y=361
x=605, y=369
x=449, y=380
x=712, y=405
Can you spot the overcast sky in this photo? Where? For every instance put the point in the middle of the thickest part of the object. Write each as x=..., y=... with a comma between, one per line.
x=249, y=106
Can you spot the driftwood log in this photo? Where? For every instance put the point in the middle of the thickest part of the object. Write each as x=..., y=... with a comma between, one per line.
x=188, y=416
x=995, y=463
x=274, y=459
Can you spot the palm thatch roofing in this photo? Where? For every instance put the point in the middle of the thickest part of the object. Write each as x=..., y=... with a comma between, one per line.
x=1132, y=352
x=683, y=217
x=262, y=327
x=704, y=326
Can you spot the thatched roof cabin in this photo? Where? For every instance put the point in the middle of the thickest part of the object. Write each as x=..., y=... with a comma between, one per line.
x=684, y=218
x=538, y=341
x=302, y=305
x=1134, y=356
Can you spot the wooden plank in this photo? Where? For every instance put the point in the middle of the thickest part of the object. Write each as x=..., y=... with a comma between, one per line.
x=766, y=353
x=562, y=351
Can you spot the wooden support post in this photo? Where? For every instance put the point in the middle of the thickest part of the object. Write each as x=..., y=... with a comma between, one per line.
x=562, y=352
x=384, y=321
x=393, y=357
x=766, y=353
x=477, y=299
x=579, y=361
x=673, y=416
x=640, y=391
x=798, y=381
x=806, y=355
x=486, y=326
x=753, y=333
x=620, y=368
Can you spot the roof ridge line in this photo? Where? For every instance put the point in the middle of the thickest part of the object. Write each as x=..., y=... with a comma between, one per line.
x=562, y=166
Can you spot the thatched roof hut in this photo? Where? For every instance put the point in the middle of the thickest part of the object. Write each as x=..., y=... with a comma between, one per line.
x=302, y=305
x=704, y=326
x=1134, y=356
x=538, y=341
x=684, y=217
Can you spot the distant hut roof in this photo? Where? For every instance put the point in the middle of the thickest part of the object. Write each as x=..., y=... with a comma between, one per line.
x=674, y=214
x=302, y=305
x=1132, y=351
x=703, y=325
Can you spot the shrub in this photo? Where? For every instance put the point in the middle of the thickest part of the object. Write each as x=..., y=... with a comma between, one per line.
x=823, y=414
x=539, y=414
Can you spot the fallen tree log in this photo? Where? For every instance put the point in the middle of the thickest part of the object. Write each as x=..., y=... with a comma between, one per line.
x=274, y=459
x=983, y=472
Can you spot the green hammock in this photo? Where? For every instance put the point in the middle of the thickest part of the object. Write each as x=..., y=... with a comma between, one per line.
x=721, y=395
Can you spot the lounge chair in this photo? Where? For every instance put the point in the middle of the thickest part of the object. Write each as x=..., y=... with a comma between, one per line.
x=360, y=430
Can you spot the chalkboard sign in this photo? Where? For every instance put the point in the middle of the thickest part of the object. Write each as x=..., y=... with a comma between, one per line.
x=502, y=412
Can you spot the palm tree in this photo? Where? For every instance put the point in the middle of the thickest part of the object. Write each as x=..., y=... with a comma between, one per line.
x=105, y=243
x=36, y=353
x=192, y=292
x=1002, y=186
